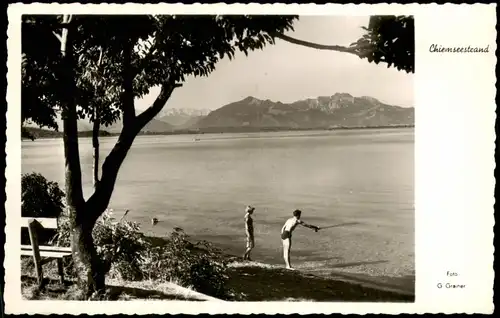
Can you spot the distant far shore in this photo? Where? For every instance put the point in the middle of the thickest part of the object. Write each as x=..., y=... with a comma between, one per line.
x=39, y=133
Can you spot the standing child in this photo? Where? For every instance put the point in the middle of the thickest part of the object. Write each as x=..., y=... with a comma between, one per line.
x=249, y=232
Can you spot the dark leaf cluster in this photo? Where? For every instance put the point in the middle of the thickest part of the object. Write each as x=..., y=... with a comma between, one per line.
x=40, y=197
x=389, y=39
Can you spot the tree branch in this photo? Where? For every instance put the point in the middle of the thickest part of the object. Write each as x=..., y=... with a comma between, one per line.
x=58, y=36
x=337, y=48
x=153, y=110
x=99, y=200
x=96, y=125
x=95, y=146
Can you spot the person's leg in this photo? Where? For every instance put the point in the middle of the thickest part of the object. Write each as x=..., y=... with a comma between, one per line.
x=245, y=255
x=286, y=252
x=289, y=249
x=250, y=245
x=250, y=248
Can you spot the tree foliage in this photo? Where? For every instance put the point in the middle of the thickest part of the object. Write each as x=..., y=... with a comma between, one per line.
x=163, y=48
x=39, y=72
x=40, y=197
x=389, y=39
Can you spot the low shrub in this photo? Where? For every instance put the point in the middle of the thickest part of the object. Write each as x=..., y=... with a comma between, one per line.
x=120, y=245
x=130, y=255
x=200, y=266
x=40, y=198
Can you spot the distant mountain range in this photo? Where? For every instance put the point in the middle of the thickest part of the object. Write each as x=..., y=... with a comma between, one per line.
x=155, y=126
x=339, y=110
x=183, y=118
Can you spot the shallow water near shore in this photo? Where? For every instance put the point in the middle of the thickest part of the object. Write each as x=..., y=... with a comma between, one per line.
x=357, y=184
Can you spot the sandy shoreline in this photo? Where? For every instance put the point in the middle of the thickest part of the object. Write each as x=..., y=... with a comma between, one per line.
x=329, y=282
x=254, y=281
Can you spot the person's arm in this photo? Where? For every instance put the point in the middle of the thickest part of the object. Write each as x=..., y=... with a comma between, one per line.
x=314, y=227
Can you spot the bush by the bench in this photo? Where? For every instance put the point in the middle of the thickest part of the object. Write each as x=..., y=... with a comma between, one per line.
x=200, y=266
x=40, y=198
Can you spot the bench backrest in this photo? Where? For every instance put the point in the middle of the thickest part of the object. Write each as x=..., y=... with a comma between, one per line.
x=47, y=223
x=45, y=232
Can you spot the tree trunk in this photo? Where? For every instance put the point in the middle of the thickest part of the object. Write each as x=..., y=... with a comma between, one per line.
x=88, y=266
x=86, y=260
x=96, y=127
x=90, y=269
x=95, y=147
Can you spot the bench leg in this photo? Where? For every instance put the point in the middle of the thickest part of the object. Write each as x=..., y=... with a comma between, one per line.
x=39, y=272
x=60, y=269
x=32, y=225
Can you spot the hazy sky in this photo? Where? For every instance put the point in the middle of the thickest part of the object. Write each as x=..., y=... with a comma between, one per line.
x=287, y=72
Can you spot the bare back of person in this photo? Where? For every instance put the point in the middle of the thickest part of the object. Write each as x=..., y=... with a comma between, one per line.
x=290, y=225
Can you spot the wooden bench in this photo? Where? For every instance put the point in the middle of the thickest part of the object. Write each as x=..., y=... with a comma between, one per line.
x=43, y=254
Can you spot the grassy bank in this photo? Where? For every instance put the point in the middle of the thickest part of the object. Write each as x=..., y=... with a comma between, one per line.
x=247, y=281
x=116, y=288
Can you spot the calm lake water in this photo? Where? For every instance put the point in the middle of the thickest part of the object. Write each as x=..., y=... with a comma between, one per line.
x=360, y=180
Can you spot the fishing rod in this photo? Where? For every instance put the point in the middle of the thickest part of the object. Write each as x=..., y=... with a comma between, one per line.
x=338, y=225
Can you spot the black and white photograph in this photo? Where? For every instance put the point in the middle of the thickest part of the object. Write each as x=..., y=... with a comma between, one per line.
x=225, y=157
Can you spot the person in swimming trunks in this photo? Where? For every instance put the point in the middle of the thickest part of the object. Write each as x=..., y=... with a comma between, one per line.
x=249, y=232
x=286, y=234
